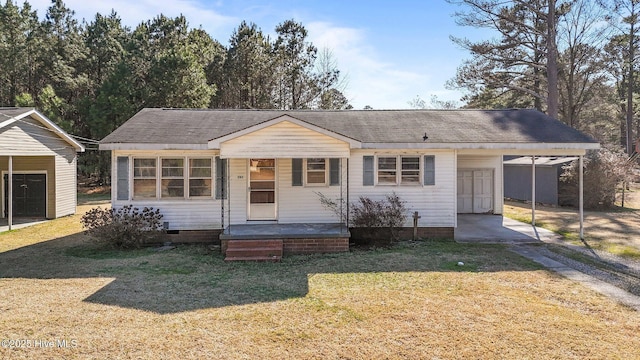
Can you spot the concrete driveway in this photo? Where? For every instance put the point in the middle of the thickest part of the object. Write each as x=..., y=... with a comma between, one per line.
x=496, y=229
x=19, y=223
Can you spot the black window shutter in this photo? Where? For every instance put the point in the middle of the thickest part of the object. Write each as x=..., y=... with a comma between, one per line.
x=367, y=171
x=122, y=178
x=221, y=178
x=429, y=170
x=334, y=172
x=296, y=172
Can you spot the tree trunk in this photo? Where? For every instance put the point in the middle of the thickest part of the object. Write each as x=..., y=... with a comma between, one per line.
x=630, y=86
x=552, y=62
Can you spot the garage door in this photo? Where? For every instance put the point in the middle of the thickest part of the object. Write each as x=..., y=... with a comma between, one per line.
x=475, y=191
x=29, y=195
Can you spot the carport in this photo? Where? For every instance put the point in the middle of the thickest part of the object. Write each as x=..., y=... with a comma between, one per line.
x=496, y=229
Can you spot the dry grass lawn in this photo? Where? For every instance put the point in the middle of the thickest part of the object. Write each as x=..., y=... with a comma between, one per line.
x=616, y=231
x=409, y=302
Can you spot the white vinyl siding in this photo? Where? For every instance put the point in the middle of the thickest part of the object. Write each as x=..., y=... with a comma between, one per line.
x=36, y=149
x=65, y=179
x=29, y=137
x=298, y=204
x=188, y=213
x=435, y=204
x=284, y=140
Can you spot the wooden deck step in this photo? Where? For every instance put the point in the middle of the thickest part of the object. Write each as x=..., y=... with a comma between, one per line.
x=254, y=250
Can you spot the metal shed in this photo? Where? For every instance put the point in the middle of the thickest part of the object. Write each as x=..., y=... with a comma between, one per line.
x=517, y=178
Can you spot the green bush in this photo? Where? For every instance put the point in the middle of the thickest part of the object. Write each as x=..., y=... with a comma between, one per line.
x=125, y=228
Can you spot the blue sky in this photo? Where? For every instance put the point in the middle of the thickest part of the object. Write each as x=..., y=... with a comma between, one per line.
x=389, y=51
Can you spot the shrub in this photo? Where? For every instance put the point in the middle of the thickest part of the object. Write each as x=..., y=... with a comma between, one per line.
x=125, y=228
x=372, y=216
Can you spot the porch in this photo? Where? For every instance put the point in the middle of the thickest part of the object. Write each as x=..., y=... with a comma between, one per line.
x=268, y=242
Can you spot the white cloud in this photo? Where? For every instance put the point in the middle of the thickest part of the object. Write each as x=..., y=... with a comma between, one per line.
x=133, y=13
x=370, y=81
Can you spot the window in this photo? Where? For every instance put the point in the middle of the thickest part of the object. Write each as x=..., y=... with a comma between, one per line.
x=144, y=178
x=387, y=170
x=316, y=171
x=200, y=178
x=403, y=170
x=410, y=172
x=172, y=184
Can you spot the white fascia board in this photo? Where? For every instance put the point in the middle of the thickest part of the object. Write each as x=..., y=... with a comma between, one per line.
x=485, y=146
x=16, y=118
x=215, y=143
x=55, y=128
x=137, y=146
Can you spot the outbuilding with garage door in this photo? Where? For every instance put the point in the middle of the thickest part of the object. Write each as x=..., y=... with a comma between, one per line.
x=41, y=161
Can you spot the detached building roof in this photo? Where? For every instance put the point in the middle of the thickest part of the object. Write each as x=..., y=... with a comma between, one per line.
x=443, y=128
x=10, y=116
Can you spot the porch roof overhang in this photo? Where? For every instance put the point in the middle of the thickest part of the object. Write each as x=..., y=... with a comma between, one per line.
x=284, y=137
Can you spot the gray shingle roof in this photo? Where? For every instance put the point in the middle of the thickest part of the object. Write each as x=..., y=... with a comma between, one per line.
x=12, y=111
x=189, y=126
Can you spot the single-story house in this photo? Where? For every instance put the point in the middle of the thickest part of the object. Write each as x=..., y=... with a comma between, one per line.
x=41, y=160
x=518, y=177
x=238, y=173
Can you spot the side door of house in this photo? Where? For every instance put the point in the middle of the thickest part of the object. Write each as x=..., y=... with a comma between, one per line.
x=465, y=191
x=475, y=191
x=482, y=191
x=29, y=195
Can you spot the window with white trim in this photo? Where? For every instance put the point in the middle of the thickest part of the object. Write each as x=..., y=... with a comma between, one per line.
x=387, y=170
x=404, y=170
x=200, y=179
x=144, y=178
x=410, y=170
x=172, y=183
x=316, y=171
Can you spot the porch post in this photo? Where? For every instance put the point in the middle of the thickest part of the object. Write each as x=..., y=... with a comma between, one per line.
x=222, y=191
x=533, y=190
x=227, y=191
x=10, y=194
x=581, y=196
x=348, y=194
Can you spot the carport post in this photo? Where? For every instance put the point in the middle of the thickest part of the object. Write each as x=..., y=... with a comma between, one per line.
x=533, y=190
x=10, y=194
x=581, y=196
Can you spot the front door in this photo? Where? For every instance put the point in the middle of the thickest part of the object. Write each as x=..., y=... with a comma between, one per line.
x=262, y=189
x=29, y=195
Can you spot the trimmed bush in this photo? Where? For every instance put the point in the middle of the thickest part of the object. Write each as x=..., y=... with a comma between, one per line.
x=378, y=221
x=125, y=228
